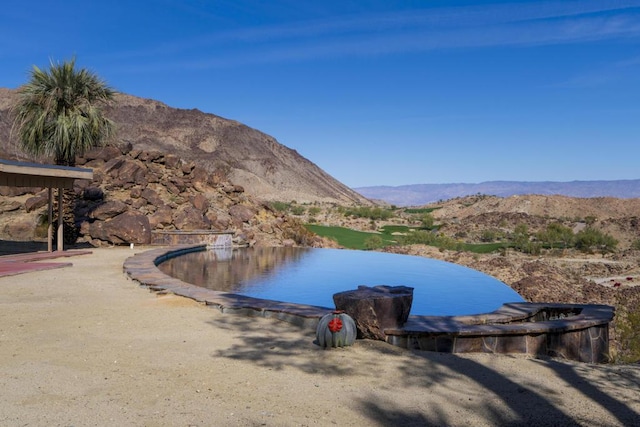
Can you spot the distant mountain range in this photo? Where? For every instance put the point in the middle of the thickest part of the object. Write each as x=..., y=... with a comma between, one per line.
x=422, y=194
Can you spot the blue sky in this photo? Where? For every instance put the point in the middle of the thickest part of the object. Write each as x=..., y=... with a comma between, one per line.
x=374, y=92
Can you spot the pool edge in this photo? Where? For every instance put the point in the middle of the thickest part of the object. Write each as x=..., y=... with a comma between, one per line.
x=583, y=337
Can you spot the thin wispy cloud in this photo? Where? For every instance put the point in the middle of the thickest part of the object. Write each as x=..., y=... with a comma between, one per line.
x=530, y=24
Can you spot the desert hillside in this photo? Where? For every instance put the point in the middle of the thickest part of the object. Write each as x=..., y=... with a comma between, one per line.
x=544, y=206
x=263, y=167
x=470, y=216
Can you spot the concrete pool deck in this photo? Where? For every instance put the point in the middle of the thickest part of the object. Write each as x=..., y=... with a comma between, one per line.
x=85, y=345
x=570, y=331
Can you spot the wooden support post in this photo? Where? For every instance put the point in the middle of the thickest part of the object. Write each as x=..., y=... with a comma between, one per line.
x=60, y=221
x=50, y=222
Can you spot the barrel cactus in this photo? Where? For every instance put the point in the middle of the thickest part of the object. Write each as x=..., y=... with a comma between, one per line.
x=336, y=329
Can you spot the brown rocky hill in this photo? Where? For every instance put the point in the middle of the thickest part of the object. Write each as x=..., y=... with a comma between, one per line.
x=468, y=217
x=263, y=167
x=544, y=206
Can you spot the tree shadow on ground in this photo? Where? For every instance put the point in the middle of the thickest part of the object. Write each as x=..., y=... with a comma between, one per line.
x=495, y=399
x=9, y=247
x=12, y=247
x=274, y=347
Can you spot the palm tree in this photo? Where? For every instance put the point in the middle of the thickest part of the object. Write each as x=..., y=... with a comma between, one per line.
x=57, y=112
x=57, y=115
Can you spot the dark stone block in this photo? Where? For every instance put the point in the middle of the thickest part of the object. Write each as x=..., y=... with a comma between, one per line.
x=445, y=343
x=537, y=344
x=511, y=344
x=376, y=309
x=469, y=344
x=599, y=343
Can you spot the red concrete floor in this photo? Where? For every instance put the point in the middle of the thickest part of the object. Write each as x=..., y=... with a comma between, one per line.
x=23, y=263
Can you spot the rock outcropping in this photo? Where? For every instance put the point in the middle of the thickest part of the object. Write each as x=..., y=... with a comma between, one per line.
x=263, y=167
x=135, y=192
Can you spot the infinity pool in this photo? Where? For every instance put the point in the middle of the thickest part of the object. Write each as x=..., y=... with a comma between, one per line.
x=312, y=276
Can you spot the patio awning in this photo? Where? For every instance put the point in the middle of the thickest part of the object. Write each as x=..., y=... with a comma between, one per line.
x=22, y=174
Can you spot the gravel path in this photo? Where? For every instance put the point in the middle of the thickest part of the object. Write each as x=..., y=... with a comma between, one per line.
x=83, y=345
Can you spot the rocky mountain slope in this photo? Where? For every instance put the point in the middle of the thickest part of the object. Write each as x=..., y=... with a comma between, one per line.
x=263, y=167
x=136, y=193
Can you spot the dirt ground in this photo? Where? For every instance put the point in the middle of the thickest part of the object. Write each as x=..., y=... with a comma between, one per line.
x=84, y=345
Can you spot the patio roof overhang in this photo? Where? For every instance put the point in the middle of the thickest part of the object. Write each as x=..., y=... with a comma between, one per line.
x=23, y=174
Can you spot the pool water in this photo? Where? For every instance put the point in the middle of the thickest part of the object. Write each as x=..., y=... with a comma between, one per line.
x=312, y=276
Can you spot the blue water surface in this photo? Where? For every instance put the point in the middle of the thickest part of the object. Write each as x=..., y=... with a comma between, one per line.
x=312, y=276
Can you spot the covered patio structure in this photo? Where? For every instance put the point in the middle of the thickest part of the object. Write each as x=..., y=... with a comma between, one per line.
x=22, y=174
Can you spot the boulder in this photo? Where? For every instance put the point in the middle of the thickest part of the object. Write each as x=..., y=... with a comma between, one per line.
x=162, y=217
x=179, y=183
x=133, y=172
x=241, y=213
x=171, y=161
x=108, y=210
x=128, y=227
x=151, y=156
x=200, y=202
x=112, y=166
x=152, y=197
x=21, y=230
x=171, y=188
x=189, y=218
x=375, y=309
x=32, y=203
x=17, y=191
x=188, y=167
x=101, y=153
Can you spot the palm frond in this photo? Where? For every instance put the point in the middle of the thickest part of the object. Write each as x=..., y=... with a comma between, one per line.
x=57, y=112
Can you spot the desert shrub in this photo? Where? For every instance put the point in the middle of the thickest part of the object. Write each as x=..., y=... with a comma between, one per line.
x=488, y=235
x=520, y=238
x=373, y=213
x=297, y=232
x=462, y=234
x=297, y=210
x=42, y=226
x=373, y=242
x=590, y=219
x=314, y=210
x=446, y=242
x=590, y=239
x=427, y=221
x=628, y=330
x=556, y=235
x=635, y=244
x=419, y=238
x=280, y=206
x=420, y=210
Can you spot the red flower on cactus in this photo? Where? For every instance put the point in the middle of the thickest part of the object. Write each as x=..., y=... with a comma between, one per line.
x=335, y=325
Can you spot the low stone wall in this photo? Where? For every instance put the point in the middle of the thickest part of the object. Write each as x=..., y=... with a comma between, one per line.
x=142, y=268
x=569, y=331
x=218, y=239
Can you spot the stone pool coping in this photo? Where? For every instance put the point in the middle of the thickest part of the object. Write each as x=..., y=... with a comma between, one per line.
x=513, y=328
x=142, y=267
